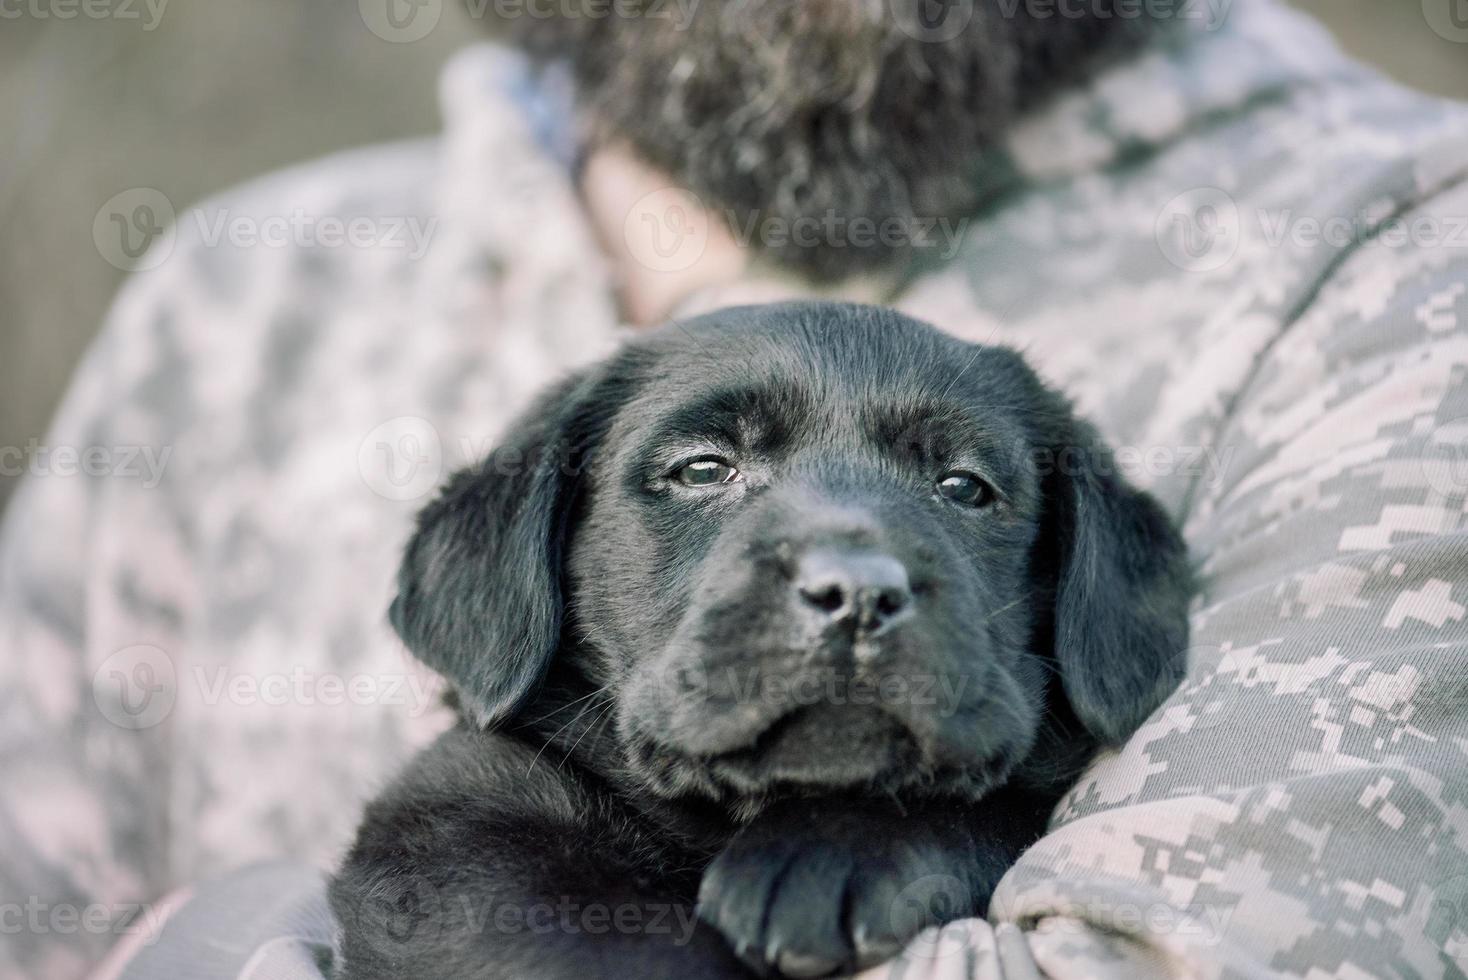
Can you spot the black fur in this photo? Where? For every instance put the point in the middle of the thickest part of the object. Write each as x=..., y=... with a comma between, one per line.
x=822, y=705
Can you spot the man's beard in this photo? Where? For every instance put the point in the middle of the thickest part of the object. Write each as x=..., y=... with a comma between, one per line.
x=830, y=133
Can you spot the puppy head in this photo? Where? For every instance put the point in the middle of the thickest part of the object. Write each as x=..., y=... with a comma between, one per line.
x=802, y=549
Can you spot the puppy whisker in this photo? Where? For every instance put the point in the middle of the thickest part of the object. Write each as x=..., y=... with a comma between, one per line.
x=1006, y=607
x=555, y=711
x=577, y=717
x=602, y=718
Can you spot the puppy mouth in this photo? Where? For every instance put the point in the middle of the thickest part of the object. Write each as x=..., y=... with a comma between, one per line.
x=820, y=745
x=821, y=749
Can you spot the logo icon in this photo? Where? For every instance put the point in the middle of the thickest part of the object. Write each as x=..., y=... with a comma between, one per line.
x=666, y=230
x=403, y=914
x=1447, y=918
x=934, y=21
x=930, y=901
x=1444, y=459
x=1220, y=688
x=400, y=21
x=134, y=230
x=135, y=687
x=1447, y=18
x=401, y=459
x=1199, y=230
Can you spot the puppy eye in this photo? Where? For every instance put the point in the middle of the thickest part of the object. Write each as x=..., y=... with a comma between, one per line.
x=707, y=472
x=963, y=487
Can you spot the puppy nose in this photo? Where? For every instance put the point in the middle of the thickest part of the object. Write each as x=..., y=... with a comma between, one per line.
x=866, y=586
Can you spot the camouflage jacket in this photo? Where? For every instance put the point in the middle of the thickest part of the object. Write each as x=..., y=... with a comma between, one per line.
x=1245, y=256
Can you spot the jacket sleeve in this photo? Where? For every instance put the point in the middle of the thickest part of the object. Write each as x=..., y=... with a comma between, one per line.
x=94, y=591
x=1300, y=805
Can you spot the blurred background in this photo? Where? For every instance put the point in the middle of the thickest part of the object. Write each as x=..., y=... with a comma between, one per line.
x=191, y=97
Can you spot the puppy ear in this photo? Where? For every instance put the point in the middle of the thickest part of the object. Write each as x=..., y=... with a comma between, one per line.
x=479, y=590
x=1122, y=592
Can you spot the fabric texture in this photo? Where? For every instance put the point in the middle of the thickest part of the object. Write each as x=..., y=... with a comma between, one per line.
x=265, y=922
x=1246, y=258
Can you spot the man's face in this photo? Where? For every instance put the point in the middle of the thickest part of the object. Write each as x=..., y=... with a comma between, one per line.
x=791, y=119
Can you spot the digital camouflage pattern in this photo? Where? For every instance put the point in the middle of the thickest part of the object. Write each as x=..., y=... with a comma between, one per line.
x=1246, y=257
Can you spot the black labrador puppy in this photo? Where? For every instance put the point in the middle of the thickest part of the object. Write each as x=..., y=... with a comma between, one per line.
x=775, y=637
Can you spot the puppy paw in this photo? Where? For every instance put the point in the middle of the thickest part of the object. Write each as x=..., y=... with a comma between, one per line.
x=811, y=905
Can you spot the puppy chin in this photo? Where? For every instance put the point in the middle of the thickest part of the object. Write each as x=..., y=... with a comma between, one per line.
x=820, y=747
x=823, y=749
x=813, y=752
